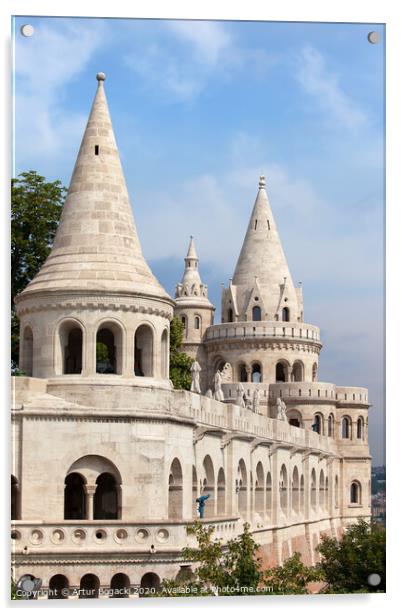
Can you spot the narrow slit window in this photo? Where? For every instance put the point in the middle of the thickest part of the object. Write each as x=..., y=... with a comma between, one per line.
x=255, y=224
x=269, y=227
x=96, y=150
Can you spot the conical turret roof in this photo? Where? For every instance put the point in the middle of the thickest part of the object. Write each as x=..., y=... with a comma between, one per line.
x=263, y=260
x=96, y=247
x=192, y=289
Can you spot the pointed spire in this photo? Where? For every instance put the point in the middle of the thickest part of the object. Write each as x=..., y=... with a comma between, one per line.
x=96, y=247
x=191, y=285
x=262, y=256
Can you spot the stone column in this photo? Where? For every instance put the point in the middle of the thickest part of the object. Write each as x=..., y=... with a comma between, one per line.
x=90, y=493
x=89, y=355
x=248, y=371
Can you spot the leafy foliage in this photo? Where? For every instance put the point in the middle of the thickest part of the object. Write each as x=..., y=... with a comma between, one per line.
x=347, y=563
x=180, y=363
x=292, y=578
x=35, y=212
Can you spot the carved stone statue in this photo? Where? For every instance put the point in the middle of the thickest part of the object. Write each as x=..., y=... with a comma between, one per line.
x=195, y=377
x=280, y=410
x=256, y=401
x=240, y=395
x=208, y=393
x=218, y=393
x=227, y=373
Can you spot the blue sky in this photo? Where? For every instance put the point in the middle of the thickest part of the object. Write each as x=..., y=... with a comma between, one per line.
x=200, y=109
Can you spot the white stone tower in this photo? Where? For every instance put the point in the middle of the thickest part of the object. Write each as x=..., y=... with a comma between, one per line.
x=95, y=309
x=193, y=307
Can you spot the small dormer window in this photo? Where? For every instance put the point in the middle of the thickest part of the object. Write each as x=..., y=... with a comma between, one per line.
x=96, y=150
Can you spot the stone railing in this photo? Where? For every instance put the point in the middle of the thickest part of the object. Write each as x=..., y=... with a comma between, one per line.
x=268, y=329
x=71, y=536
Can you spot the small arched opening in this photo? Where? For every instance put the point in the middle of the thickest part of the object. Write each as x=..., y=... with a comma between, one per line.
x=318, y=423
x=295, y=491
x=15, y=499
x=89, y=586
x=314, y=372
x=322, y=490
x=209, y=486
x=71, y=345
x=74, y=497
x=175, y=497
x=283, y=489
x=336, y=491
x=268, y=495
x=149, y=585
x=165, y=354
x=106, y=499
x=313, y=490
x=27, y=351
x=109, y=345
x=360, y=427
x=120, y=586
x=281, y=372
x=295, y=418
x=221, y=492
x=285, y=314
x=197, y=322
x=298, y=371
x=331, y=425
x=256, y=313
x=58, y=587
x=346, y=427
x=242, y=373
x=301, y=496
x=143, y=351
x=256, y=373
x=230, y=315
x=259, y=489
x=241, y=487
x=355, y=493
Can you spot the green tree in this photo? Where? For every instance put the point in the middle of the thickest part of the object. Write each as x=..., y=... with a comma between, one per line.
x=35, y=212
x=292, y=578
x=234, y=569
x=180, y=363
x=347, y=563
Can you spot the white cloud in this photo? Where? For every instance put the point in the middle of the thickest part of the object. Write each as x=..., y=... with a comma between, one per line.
x=209, y=39
x=45, y=65
x=323, y=86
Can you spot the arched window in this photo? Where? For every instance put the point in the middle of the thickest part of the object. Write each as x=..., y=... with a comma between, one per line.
x=195, y=492
x=175, y=506
x=360, y=426
x=301, y=497
x=314, y=372
x=89, y=587
x=150, y=583
x=197, y=323
x=336, y=491
x=318, y=424
x=58, y=587
x=295, y=491
x=241, y=487
x=295, y=418
x=120, y=586
x=346, y=427
x=297, y=371
x=106, y=499
x=221, y=492
x=331, y=425
x=230, y=315
x=326, y=494
x=15, y=499
x=256, y=313
x=283, y=489
x=285, y=314
x=313, y=489
x=280, y=373
x=256, y=373
x=27, y=351
x=259, y=489
x=242, y=373
x=209, y=486
x=355, y=493
x=109, y=345
x=165, y=355
x=184, y=322
x=143, y=353
x=70, y=340
x=74, y=498
x=268, y=495
x=322, y=489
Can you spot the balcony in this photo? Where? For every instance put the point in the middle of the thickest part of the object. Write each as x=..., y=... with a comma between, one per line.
x=299, y=332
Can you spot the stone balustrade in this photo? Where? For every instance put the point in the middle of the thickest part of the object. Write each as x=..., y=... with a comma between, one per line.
x=103, y=536
x=263, y=329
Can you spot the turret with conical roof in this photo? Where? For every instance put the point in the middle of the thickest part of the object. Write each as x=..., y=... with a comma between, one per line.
x=192, y=304
x=95, y=307
x=262, y=287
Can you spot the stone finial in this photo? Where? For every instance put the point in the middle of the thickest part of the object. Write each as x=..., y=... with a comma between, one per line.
x=100, y=76
x=261, y=183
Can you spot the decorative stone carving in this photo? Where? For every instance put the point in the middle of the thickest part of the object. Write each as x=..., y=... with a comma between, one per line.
x=195, y=377
x=280, y=410
x=218, y=393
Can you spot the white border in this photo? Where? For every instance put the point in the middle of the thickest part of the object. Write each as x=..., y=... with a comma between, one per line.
x=387, y=12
